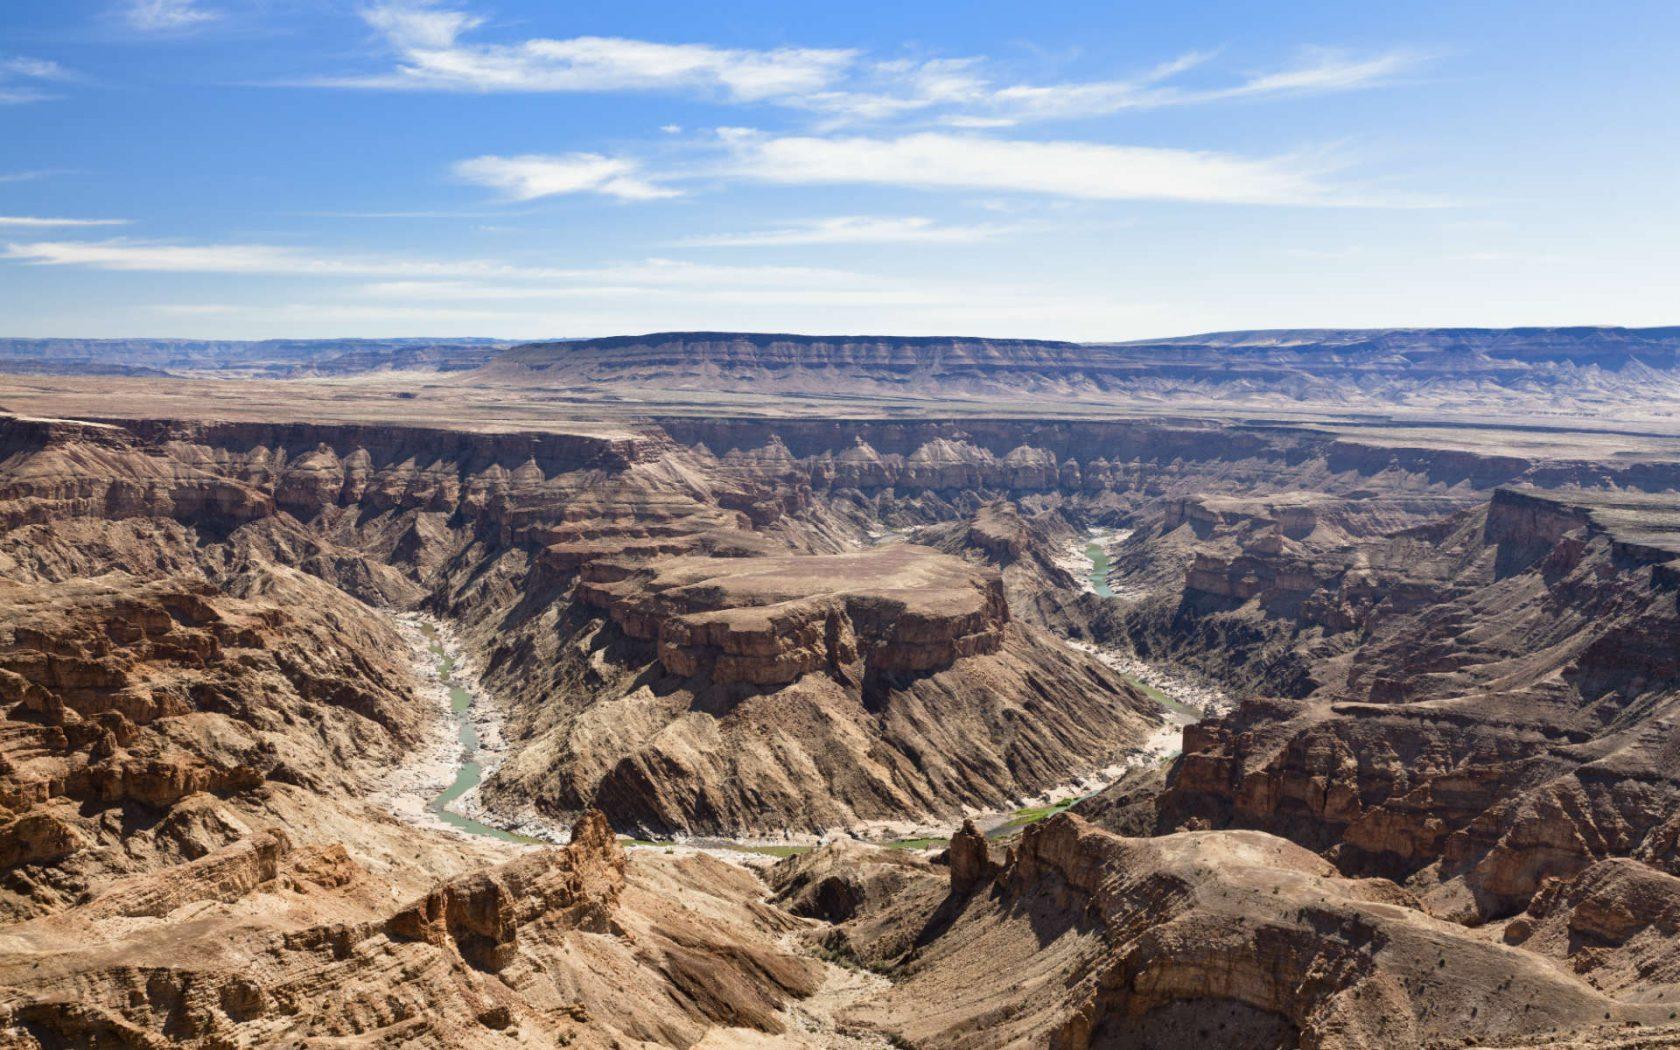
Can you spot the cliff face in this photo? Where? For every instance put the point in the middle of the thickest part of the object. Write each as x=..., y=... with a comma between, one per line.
x=804, y=692
x=268, y=356
x=1485, y=701
x=1129, y=461
x=744, y=354
x=726, y=573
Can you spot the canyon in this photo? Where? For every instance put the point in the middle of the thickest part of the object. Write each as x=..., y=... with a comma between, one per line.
x=809, y=727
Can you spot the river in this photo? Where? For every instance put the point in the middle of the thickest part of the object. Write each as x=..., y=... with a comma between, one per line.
x=1185, y=698
x=470, y=770
x=1099, y=569
x=461, y=768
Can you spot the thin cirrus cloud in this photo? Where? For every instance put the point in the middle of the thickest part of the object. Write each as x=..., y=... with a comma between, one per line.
x=167, y=16
x=532, y=176
x=851, y=229
x=32, y=222
x=1319, y=70
x=434, y=49
x=24, y=79
x=726, y=286
x=423, y=283
x=959, y=92
x=1083, y=170
x=943, y=160
x=284, y=261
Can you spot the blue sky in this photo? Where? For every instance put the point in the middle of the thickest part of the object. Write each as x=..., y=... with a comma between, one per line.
x=258, y=168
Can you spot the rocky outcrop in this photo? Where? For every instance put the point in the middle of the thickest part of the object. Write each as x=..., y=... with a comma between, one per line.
x=123, y=701
x=729, y=572
x=292, y=944
x=970, y=858
x=1089, y=939
x=480, y=914
x=845, y=879
x=772, y=620
x=1614, y=924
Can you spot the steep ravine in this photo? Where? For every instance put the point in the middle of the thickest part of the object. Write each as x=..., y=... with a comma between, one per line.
x=438, y=785
x=471, y=746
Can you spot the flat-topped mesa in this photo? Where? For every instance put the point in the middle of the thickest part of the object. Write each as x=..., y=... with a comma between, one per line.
x=770, y=620
x=568, y=546
x=743, y=356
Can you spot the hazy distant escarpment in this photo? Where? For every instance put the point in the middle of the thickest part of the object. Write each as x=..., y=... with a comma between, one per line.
x=743, y=357
x=280, y=358
x=1481, y=368
x=1623, y=373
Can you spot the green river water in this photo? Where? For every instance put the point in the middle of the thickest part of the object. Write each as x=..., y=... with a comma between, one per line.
x=1099, y=570
x=471, y=772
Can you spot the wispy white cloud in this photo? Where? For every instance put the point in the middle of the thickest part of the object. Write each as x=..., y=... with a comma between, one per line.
x=419, y=25
x=168, y=16
x=852, y=229
x=380, y=215
x=887, y=90
x=437, y=48
x=971, y=121
x=148, y=256
x=1076, y=170
x=1087, y=170
x=279, y=260
x=383, y=284
x=28, y=176
x=37, y=222
x=22, y=79
x=426, y=36
x=1318, y=71
x=529, y=177
x=33, y=68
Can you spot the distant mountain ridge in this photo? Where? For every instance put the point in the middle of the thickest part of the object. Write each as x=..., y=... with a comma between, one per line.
x=280, y=357
x=1566, y=369
x=1570, y=370
x=1657, y=347
x=1579, y=344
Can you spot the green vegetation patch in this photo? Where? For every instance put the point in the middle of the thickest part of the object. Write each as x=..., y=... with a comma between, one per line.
x=1163, y=699
x=921, y=843
x=1031, y=815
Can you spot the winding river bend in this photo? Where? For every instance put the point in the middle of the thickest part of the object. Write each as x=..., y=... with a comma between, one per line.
x=471, y=771
x=1185, y=699
x=467, y=764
